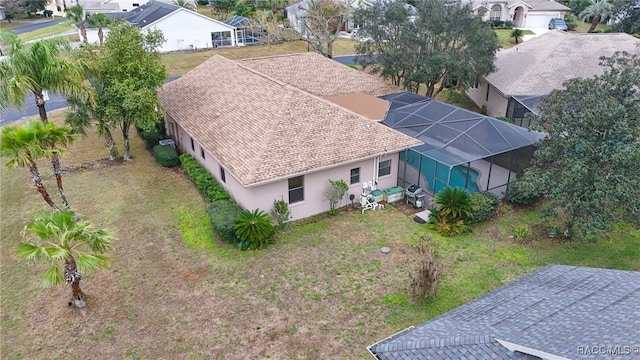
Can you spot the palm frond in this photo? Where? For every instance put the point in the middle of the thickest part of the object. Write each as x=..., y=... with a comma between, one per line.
x=53, y=276
x=88, y=263
x=31, y=252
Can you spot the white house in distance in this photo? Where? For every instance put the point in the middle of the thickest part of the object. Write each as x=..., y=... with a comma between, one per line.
x=183, y=29
x=533, y=69
x=305, y=121
x=523, y=14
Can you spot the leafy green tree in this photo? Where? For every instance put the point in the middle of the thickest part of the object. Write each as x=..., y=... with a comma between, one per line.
x=455, y=203
x=517, y=34
x=335, y=193
x=131, y=70
x=597, y=11
x=428, y=44
x=253, y=229
x=99, y=21
x=85, y=113
x=59, y=238
x=187, y=4
x=222, y=7
x=628, y=14
x=36, y=68
x=12, y=7
x=588, y=163
x=33, y=6
x=578, y=6
x=77, y=15
x=242, y=9
x=322, y=22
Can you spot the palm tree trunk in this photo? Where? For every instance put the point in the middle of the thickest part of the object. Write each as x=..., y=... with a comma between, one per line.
x=40, y=103
x=100, y=35
x=57, y=170
x=594, y=23
x=83, y=31
x=111, y=145
x=72, y=276
x=37, y=179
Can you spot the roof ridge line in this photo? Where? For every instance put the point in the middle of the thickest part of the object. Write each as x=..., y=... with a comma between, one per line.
x=437, y=342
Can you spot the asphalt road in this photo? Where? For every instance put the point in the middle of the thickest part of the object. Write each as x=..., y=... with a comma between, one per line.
x=36, y=26
x=56, y=102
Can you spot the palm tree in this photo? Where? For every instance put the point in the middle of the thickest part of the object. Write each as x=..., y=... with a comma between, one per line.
x=26, y=144
x=84, y=112
x=59, y=238
x=187, y=4
x=517, y=34
x=76, y=14
x=58, y=138
x=597, y=11
x=455, y=203
x=100, y=21
x=36, y=68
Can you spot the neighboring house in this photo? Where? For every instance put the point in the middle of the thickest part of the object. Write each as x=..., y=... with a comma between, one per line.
x=528, y=72
x=523, y=14
x=2, y=15
x=109, y=6
x=297, y=12
x=558, y=312
x=183, y=29
x=281, y=127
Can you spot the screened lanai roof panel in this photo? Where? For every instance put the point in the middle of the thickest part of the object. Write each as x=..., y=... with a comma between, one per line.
x=452, y=135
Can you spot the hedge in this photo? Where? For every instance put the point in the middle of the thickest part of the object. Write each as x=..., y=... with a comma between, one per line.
x=151, y=138
x=204, y=181
x=524, y=190
x=483, y=205
x=166, y=155
x=223, y=215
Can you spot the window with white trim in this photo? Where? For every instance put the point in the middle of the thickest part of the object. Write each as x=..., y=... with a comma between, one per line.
x=496, y=13
x=355, y=176
x=384, y=168
x=296, y=189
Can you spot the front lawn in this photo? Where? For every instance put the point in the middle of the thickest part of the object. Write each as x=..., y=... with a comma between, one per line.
x=583, y=27
x=505, y=39
x=47, y=31
x=324, y=290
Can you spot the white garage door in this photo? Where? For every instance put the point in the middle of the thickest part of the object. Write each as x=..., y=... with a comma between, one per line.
x=539, y=20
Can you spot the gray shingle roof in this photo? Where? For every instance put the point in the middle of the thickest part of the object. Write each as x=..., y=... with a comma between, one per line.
x=540, y=65
x=556, y=309
x=145, y=14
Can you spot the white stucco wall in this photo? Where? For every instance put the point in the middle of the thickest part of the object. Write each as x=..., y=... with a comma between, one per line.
x=183, y=29
x=315, y=183
x=497, y=103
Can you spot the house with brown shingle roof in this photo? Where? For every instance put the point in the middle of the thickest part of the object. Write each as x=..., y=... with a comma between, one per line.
x=528, y=72
x=267, y=129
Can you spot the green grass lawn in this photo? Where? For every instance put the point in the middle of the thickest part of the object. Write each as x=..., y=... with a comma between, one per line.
x=583, y=27
x=49, y=30
x=505, y=39
x=323, y=290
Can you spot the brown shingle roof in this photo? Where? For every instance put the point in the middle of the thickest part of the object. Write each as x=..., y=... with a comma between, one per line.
x=313, y=73
x=262, y=129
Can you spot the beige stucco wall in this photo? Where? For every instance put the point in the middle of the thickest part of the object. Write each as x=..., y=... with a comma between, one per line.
x=315, y=182
x=497, y=103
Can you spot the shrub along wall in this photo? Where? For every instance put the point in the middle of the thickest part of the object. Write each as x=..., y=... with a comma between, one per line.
x=223, y=215
x=166, y=155
x=204, y=181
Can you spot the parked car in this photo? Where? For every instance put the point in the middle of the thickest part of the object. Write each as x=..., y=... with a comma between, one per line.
x=559, y=24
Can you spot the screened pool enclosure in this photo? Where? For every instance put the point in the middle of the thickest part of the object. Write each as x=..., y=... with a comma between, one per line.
x=461, y=148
